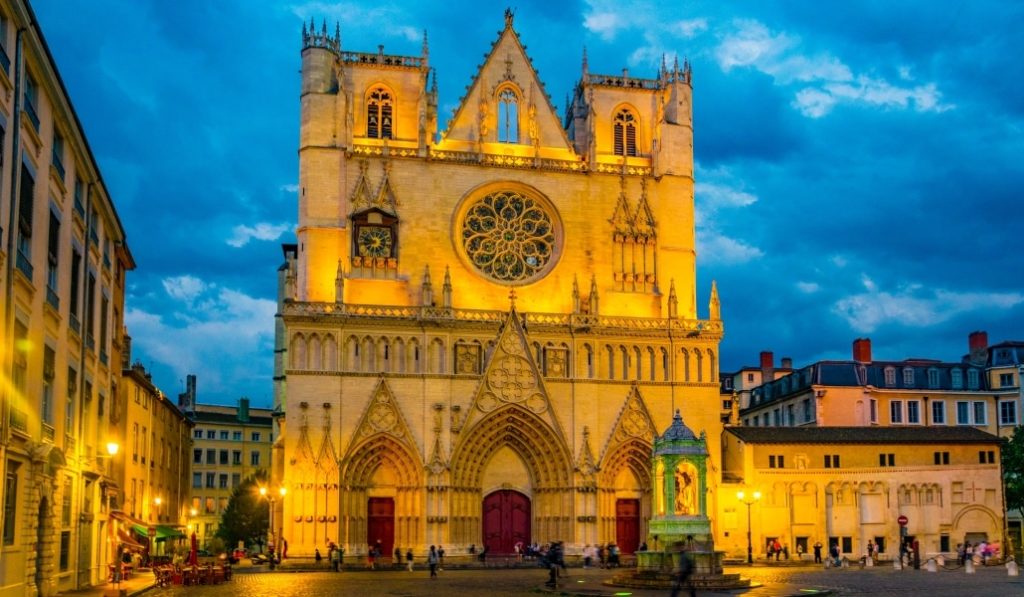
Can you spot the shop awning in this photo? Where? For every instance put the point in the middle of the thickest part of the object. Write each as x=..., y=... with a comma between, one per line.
x=126, y=539
x=163, y=532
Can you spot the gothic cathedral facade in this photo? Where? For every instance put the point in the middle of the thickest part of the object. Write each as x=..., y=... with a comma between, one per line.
x=482, y=329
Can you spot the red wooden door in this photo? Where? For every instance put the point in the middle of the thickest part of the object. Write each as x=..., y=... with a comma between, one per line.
x=381, y=527
x=506, y=521
x=627, y=525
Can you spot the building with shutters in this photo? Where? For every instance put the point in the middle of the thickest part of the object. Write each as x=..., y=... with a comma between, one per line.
x=63, y=260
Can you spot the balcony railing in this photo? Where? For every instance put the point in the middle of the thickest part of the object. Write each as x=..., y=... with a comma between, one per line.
x=5, y=60
x=32, y=116
x=76, y=326
x=52, y=299
x=24, y=264
x=19, y=420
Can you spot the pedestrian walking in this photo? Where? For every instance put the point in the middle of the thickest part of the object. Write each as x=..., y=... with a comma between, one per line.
x=440, y=557
x=371, y=555
x=408, y=559
x=817, y=552
x=432, y=560
x=682, y=576
x=777, y=548
x=551, y=560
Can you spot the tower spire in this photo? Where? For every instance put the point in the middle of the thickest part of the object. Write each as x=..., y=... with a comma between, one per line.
x=427, y=289
x=426, y=48
x=673, y=300
x=585, y=65
x=714, y=305
x=446, y=290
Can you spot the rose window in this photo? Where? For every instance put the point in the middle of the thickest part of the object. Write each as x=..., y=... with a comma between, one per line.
x=509, y=237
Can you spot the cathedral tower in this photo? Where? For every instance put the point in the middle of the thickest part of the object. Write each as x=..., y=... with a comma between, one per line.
x=484, y=320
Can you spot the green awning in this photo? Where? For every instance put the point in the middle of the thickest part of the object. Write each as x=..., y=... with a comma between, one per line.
x=163, y=532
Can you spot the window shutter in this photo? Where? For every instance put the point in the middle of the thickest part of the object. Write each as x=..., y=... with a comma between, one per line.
x=631, y=140
x=618, y=139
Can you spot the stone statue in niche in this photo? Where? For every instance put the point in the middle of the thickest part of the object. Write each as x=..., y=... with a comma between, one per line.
x=686, y=490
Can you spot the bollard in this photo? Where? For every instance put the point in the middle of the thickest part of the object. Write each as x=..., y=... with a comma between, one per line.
x=846, y=563
x=941, y=560
x=896, y=564
x=969, y=566
x=930, y=566
x=1012, y=569
x=869, y=562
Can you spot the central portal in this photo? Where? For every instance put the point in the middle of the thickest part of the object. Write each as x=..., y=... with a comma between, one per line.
x=506, y=515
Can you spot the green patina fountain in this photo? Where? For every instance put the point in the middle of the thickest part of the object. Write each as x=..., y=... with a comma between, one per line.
x=680, y=526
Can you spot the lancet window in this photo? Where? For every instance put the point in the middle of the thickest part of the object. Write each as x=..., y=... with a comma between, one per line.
x=508, y=116
x=624, y=132
x=379, y=114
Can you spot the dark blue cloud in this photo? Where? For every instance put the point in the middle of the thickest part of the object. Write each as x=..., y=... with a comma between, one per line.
x=873, y=147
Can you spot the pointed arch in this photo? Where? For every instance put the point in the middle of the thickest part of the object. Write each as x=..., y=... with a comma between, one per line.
x=712, y=366
x=330, y=353
x=685, y=354
x=400, y=359
x=508, y=98
x=380, y=112
x=624, y=130
x=315, y=354
x=352, y=354
x=298, y=351
x=589, y=358
x=369, y=355
x=384, y=356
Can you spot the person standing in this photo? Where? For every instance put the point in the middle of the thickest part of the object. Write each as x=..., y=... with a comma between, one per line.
x=432, y=560
x=440, y=557
x=817, y=552
x=371, y=555
x=408, y=559
x=336, y=558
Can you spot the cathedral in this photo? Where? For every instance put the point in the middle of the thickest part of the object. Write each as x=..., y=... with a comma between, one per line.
x=485, y=322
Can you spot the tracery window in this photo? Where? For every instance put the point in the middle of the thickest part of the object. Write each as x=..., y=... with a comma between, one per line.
x=508, y=116
x=625, y=133
x=379, y=116
x=509, y=237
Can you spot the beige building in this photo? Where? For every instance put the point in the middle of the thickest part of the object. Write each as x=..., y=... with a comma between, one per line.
x=850, y=485
x=229, y=444
x=866, y=392
x=154, y=468
x=63, y=258
x=486, y=320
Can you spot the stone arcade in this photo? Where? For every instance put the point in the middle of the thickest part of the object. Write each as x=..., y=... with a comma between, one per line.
x=518, y=399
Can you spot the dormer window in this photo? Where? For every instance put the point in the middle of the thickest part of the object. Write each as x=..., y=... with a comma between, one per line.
x=625, y=133
x=379, y=114
x=890, y=376
x=972, y=379
x=933, y=378
x=908, y=377
x=957, y=379
x=508, y=116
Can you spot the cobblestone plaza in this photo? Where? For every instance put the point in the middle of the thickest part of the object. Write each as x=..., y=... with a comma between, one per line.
x=521, y=582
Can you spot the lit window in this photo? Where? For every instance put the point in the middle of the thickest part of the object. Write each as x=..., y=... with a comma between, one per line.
x=625, y=133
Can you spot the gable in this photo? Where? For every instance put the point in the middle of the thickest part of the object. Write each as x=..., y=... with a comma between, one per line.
x=479, y=117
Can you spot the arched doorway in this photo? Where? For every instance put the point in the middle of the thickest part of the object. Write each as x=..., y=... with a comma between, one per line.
x=506, y=521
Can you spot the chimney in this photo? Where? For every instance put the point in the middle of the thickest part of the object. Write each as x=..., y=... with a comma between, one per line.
x=243, y=410
x=767, y=366
x=977, y=343
x=862, y=350
x=787, y=362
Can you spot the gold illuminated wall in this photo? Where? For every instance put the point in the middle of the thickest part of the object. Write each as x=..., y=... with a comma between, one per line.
x=416, y=235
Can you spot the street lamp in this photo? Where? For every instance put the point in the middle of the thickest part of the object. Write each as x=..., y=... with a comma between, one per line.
x=281, y=491
x=749, y=502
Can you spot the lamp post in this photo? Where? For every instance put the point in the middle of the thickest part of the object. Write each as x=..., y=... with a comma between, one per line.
x=281, y=491
x=749, y=502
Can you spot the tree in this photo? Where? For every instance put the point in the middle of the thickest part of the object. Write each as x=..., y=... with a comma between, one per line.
x=248, y=514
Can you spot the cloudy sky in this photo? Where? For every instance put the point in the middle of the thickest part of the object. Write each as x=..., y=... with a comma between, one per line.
x=859, y=167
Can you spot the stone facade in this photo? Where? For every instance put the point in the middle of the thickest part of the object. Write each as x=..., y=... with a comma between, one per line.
x=229, y=445
x=491, y=322
x=63, y=259
x=850, y=485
